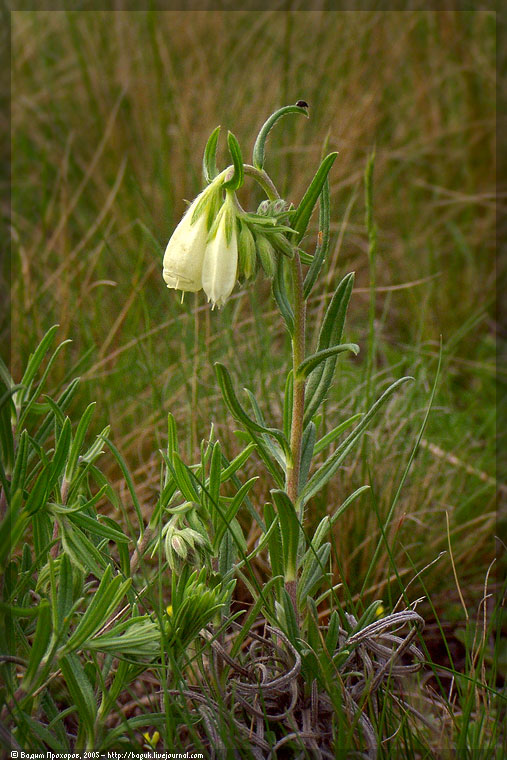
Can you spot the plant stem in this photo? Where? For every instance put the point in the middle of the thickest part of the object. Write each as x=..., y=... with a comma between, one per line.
x=298, y=403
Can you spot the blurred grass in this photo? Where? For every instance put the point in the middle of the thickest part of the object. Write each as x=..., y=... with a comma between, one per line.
x=111, y=111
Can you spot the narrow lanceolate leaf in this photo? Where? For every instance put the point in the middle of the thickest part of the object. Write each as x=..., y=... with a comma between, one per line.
x=333, y=434
x=65, y=592
x=260, y=143
x=19, y=471
x=81, y=691
x=98, y=528
x=307, y=449
x=38, y=494
x=129, y=482
x=280, y=294
x=223, y=521
x=78, y=441
x=313, y=573
x=290, y=530
x=236, y=463
x=82, y=551
x=292, y=628
x=40, y=643
x=330, y=335
x=288, y=400
x=252, y=616
x=309, y=364
x=34, y=363
x=323, y=239
x=30, y=401
x=279, y=454
x=209, y=161
x=239, y=413
x=212, y=493
x=348, y=501
x=274, y=540
x=13, y=525
x=61, y=453
x=237, y=159
x=106, y=598
x=305, y=209
x=324, y=473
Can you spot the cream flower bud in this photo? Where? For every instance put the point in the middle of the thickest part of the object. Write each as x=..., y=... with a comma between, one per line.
x=220, y=265
x=184, y=254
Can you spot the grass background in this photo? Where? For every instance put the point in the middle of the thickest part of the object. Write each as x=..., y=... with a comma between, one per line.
x=110, y=114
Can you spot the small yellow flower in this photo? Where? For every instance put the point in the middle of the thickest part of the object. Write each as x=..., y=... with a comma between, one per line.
x=152, y=740
x=169, y=609
x=379, y=611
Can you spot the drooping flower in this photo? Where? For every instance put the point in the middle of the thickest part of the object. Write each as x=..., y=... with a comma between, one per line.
x=184, y=255
x=220, y=265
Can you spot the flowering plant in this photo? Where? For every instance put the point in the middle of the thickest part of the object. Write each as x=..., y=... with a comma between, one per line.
x=216, y=243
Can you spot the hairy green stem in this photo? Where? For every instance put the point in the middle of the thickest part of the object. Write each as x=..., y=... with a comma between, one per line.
x=298, y=402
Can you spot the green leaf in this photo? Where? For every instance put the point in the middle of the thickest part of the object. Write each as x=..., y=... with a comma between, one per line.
x=209, y=161
x=330, y=335
x=335, y=432
x=333, y=632
x=213, y=491
x=223, y=521
x=106, y=598
x=274, y=540
x=78, y=441
x=323, y=239
x=291, y=624
x=61, y=453
x=57, y=412
x=40, y=644
x=40, y=385
x=239, y=413
x=128, y=480
x=65, y=591
x=290, y=530
x=252, y=616
x=260, y=142
x=324, y=473
x=348, y=501
x=97, y=528
x=280, y=293
x=305, y=209
x=19, y=472
x=136, y=637
x=307, y=448
x=81, y=692
x=313, y=573
x=80, y=506
x=312, y=361
x=38, y=494
x=288, y=400
x=83, y=552
x=183, y=477
x=236, y=463
x=275, y=450
x=237, y=159
x=34, y=363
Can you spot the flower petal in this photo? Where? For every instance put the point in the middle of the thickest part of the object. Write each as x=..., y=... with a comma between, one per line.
x=220, y=265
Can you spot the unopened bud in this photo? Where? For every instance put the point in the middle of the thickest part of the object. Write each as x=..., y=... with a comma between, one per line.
x=246, y=252
x=264, y=207
x=266, y=254
x=281, y=244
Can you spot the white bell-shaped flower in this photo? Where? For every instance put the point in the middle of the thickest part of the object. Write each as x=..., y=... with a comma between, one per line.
x=220, y=265
x=184, y=255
